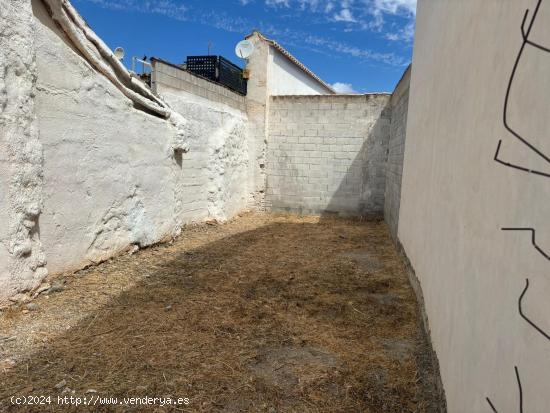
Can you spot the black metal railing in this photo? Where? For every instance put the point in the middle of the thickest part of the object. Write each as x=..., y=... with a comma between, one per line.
x=219, y=70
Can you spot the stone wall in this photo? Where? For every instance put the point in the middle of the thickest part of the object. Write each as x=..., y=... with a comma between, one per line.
x=396, y=150
x=327, y=153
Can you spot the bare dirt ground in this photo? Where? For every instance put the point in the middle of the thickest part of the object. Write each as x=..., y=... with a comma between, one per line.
x=267, y=313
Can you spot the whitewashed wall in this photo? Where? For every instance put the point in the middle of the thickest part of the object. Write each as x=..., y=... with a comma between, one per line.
x=22, y=258
x=285, y=78
x=217, y=177
x=85, y=174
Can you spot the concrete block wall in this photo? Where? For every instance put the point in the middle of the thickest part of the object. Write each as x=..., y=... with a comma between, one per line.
x=396, y=150
x=327, y=153
x=169, y=75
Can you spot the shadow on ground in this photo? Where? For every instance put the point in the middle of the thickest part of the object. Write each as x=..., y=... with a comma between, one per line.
x=292, y=316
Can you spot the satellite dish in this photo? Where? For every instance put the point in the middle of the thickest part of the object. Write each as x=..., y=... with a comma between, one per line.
x=119, y=53
x=244, y=49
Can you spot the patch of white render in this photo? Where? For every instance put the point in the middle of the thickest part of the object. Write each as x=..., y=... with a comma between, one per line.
x=228, y=166
x=21, y=153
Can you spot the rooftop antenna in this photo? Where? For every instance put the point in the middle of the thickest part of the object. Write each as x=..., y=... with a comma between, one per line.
x=244, y=49
x=210, y=44
x=119, y=53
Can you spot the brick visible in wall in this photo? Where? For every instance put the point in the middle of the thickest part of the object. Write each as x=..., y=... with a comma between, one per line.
x=169, y=75
x=396, y=152
x=327, y=153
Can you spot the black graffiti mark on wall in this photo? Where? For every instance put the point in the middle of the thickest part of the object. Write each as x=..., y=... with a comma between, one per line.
x=536, y=327
x=533, y=241
x=521, y=168
x=520, y=394
x=525, y=35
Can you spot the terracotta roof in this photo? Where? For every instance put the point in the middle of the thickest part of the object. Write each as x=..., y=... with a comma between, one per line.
x=289, y=56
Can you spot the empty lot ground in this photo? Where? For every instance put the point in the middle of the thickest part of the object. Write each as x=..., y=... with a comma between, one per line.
x=267, y=313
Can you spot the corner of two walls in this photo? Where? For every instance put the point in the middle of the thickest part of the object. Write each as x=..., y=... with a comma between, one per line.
x=220, y=156
x=399, y=103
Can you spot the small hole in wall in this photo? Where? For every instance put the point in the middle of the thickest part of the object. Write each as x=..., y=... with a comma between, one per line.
x=178, y=156
x=262, y=166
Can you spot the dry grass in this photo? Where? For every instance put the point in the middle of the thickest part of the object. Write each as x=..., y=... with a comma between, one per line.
x=263, y=314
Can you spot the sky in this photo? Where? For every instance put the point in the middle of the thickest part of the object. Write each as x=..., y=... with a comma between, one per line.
x=355, y=45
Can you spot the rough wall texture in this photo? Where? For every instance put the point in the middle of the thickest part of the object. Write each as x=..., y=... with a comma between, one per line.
x=396, y=150
x=328, y=153
x=256, y=108
x=86, y=172
x=456, y=198
x=216, y=174
x=22, y=258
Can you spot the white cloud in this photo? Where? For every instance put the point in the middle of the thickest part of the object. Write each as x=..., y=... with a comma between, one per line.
x=166, y=8
x=395, y=6
x=329, y=6
x=406, y=33
x=345, y=15
x=284, y=3
x=319, y=44
x=344, y=88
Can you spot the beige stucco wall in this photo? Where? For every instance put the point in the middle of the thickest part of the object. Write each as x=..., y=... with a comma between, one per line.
x=455, y=199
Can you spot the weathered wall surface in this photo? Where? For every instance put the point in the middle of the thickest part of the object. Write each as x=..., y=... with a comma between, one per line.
x=256, y=108
x=109, y=172
x=216, y=174
x=327, y=153
x=22, y=259
x=285, y=78
x=396, y=150
x=456, y=197
x=84, y=173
